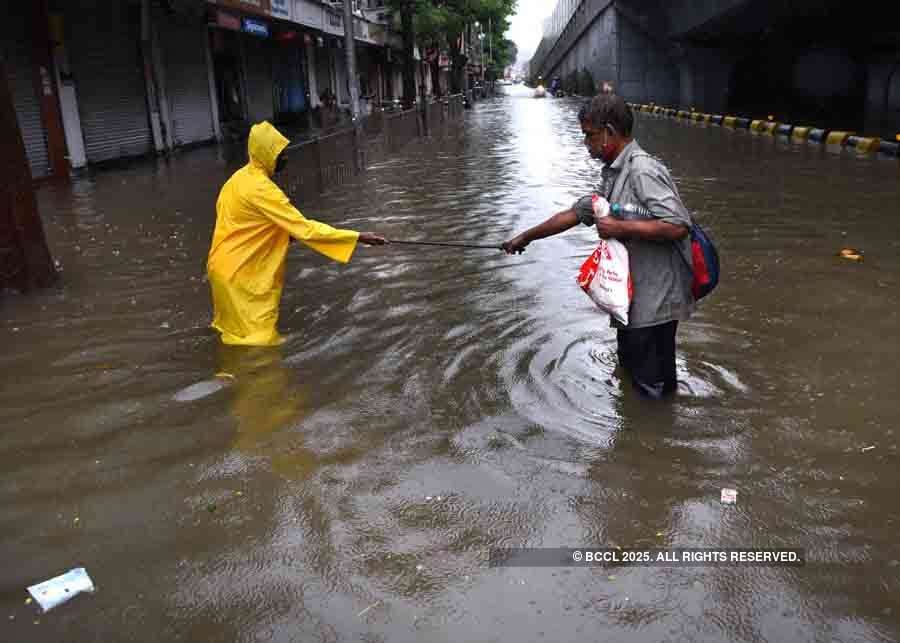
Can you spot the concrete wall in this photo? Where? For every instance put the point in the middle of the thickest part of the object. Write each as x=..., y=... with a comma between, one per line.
x=882, y=116
x=705, y=76
x=685, y=15
x=647, y=71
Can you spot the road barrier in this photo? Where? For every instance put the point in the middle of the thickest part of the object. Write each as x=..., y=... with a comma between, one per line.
x=771, y=127
x=334, y=159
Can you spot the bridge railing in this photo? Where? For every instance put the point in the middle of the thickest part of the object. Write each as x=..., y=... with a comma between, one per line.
x=334, y=159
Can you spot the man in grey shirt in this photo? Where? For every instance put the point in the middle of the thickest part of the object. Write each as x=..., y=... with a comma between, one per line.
x=658, y=246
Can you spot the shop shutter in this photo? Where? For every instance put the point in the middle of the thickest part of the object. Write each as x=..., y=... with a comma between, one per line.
x=187, y=80
x=20, y=74
x=106, y=64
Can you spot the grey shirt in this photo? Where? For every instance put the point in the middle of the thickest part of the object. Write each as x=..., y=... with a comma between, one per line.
x=660, y=270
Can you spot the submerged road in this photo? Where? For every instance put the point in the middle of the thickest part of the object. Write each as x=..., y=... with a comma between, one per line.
x=432, y=403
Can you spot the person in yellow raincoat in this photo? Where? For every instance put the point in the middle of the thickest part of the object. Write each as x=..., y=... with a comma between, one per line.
x=254, y=223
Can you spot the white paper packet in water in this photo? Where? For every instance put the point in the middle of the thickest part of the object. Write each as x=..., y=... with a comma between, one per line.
x=57, y=591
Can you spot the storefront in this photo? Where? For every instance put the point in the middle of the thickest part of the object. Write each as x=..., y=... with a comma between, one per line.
x=242, y=56
x=290, y=74
x=21, y=71
x=185, y=77
x=104, y=40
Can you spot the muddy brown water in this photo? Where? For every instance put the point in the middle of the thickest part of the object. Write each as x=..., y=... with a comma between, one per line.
x=430, y=404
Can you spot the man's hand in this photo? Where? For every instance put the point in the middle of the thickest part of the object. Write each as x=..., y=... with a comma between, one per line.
x=609, y=228
x=371, y=239
x=515, y=245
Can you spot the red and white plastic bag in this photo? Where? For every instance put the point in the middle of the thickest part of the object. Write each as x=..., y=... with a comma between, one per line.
x=605, y=276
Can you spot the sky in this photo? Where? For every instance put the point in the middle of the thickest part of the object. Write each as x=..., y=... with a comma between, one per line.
x=525, y=26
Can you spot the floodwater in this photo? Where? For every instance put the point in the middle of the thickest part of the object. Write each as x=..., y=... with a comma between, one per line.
x=430, y=404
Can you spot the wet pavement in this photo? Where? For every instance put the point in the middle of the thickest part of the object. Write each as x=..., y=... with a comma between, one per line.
x=430, y=404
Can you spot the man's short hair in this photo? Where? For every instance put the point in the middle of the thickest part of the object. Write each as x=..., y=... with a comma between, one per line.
x=610, y=109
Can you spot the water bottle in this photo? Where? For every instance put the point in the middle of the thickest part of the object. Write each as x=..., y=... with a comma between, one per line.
x=629, y=211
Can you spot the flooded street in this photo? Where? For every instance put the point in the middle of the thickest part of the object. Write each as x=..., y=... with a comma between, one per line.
x=432, y=403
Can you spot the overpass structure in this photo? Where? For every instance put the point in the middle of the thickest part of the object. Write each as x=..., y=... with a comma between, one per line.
x=829, y=62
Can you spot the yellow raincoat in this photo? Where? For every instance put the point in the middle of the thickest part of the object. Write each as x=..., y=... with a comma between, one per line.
x=254, y=221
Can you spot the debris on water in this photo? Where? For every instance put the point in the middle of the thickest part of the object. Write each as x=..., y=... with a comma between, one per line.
x=60, y=589
x=851, y=254
x=729, y=496
x=164, y=325
x=611, y=577
x=375, y=604
x=16, y=329
x=428, y=498
x=211, y=507
x=868, y=448
x=660, y=534
x=200, y=389
x=28, y=601
x=420, y=567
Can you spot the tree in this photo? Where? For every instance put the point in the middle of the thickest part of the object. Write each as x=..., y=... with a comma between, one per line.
x=442, y=25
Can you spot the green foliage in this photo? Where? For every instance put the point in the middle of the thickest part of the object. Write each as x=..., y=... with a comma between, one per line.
x=439, y=23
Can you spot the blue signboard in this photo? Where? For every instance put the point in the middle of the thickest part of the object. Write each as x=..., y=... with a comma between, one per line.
x=256, y=27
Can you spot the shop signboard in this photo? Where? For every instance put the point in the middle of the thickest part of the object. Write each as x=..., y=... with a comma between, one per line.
x=227, y=21
x=255, y=27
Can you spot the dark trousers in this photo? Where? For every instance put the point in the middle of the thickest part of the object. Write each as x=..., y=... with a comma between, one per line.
x=648, y=354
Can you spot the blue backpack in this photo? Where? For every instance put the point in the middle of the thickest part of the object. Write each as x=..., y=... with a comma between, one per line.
x=705, y=263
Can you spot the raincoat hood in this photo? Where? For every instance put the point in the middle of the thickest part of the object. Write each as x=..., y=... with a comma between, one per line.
x=264, y=145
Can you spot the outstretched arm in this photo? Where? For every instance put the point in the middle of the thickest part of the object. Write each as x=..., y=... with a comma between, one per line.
x=559, y=222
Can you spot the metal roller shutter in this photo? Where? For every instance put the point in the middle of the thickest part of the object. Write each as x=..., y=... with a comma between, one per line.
x=20, y=73
x=260, y=89
x=187, y=82
x=106, y=62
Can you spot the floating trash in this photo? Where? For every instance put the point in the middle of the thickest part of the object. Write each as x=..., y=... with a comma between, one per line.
x=851, y=254
x=57, y=591
x=729, y=496
x=201, y=389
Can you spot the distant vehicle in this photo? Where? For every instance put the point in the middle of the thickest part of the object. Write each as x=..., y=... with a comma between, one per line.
x=540, y=92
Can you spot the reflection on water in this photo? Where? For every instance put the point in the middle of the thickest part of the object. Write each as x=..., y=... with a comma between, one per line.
x=432, y=403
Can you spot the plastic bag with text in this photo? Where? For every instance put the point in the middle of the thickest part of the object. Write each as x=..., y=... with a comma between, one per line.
x=605, y=277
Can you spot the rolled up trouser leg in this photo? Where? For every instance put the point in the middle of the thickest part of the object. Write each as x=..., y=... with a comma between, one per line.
x=650, y=358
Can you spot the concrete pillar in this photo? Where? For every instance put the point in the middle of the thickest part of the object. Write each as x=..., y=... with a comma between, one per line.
x=311, y=73
x=149, y=82
x=159, y=75
x=211, y=80
x=25, y=260
x=68, y=97
x=47, y=91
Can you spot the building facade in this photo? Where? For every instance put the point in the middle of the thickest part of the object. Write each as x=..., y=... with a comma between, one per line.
x=99, y=80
